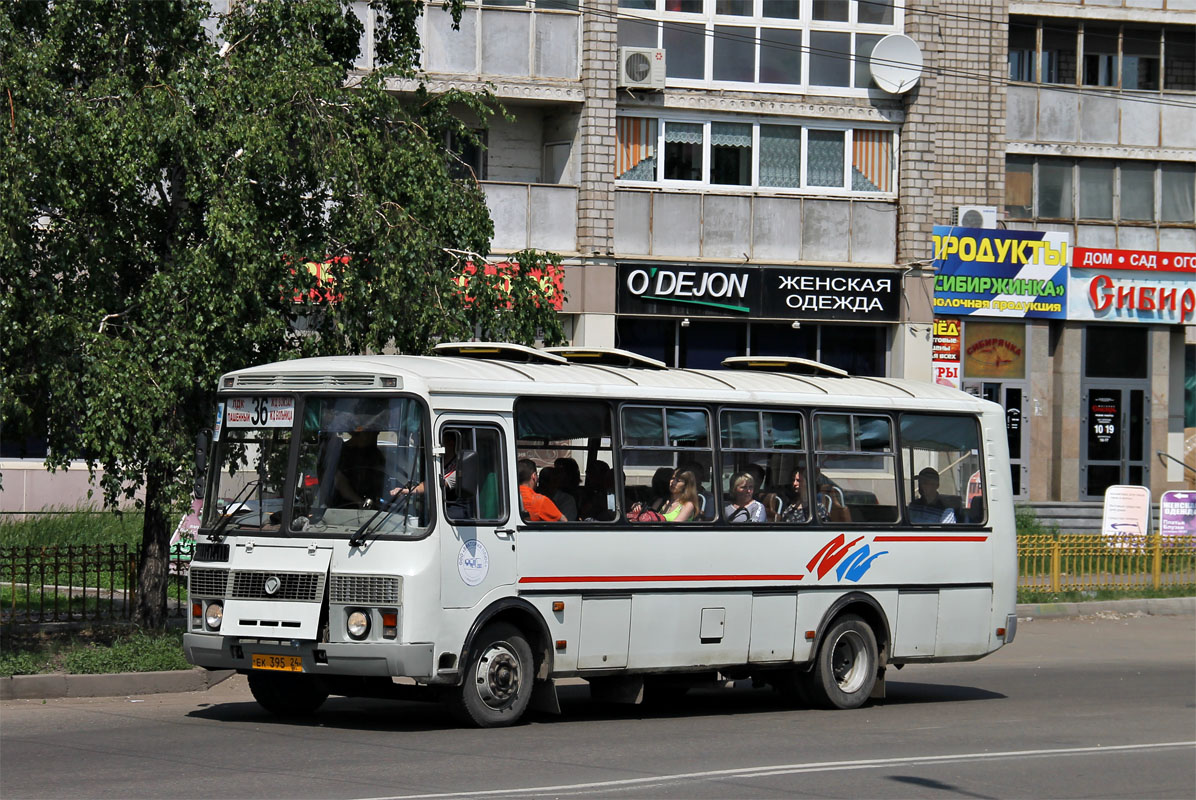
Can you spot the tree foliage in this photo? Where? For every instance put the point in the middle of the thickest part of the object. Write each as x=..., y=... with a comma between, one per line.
x=163, y=186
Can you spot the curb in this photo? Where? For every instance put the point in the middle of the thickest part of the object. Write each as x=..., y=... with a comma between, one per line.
x=1150, y=606
x=51, y=687
x=57, y=685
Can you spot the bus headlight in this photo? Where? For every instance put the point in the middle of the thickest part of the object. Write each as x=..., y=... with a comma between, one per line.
x=357, y=624
x=214, y=615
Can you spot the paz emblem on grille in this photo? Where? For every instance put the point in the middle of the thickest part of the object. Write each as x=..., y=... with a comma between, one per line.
x=272, y=585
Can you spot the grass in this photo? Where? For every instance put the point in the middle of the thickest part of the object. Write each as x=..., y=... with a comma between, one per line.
x=60, y=527
x=93, y=652
x=1080, y=596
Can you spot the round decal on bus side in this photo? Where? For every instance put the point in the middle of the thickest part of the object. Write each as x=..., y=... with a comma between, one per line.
x=473, y=562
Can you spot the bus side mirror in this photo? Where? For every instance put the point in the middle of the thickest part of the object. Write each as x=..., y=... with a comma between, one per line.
x=467, y=473
x=203, y=443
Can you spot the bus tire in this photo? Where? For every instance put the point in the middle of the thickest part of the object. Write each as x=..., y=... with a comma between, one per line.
x=846, y=665
x=287, y=695
x=498, y=682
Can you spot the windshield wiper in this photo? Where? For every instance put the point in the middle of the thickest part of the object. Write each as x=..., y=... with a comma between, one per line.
x=385, y=508
x=217, y=533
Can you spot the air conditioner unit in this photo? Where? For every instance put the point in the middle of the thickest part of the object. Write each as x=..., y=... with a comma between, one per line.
x=976, y=216
x=641, y=68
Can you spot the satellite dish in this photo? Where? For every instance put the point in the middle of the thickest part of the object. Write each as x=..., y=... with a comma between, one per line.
x=896, y=63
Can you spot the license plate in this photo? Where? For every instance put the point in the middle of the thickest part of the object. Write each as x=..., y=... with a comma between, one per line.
x=283, y=663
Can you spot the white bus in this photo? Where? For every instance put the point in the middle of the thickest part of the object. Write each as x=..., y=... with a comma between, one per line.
x=364, y=533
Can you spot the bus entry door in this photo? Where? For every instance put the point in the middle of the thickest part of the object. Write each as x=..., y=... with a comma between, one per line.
x=477, y=535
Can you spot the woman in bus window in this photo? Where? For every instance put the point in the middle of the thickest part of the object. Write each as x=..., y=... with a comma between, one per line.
x=683, y=502
x=744, y=507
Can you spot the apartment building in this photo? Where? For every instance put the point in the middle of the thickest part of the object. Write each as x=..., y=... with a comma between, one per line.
x=724, y=177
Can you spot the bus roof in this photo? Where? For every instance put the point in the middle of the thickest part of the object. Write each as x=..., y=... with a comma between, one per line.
x=442, y=375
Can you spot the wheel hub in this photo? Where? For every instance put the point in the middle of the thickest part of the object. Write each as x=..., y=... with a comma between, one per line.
x=498, y=676
x=847, y=662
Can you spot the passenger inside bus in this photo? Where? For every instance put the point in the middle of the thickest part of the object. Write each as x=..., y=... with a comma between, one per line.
x=360, y=472
x=598, y=497
x=535, y=507
x=683, y=500
x=548, y=484
x=744, y=507
x=706, y=507
x=568, y=482
x=830, y=507
x=929, y=508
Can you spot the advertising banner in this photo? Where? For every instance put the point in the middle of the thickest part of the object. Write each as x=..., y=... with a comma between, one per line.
x=769, y=292
x=1177, y=514
x=1162, y=298
x=1127, y=513
x=994, y=350
x=999, y=273
x=1138, y=260
x=945, y=352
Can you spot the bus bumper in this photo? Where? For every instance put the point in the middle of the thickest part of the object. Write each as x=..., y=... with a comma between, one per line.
x=317, y=658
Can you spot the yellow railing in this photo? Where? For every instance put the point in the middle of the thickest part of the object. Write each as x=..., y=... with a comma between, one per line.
x=1060, y=562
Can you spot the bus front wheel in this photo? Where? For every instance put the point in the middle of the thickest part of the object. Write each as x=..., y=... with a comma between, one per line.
x=498, y=682
x=287, y=695
x=846, y=666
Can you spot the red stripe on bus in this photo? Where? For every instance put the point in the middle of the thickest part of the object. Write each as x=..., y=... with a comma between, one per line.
x=931, y=539
x=644, y=578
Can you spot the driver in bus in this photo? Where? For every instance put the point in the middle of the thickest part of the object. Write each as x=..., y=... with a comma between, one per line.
x=360, y=472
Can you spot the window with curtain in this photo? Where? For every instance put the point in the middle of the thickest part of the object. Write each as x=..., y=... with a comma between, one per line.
x=683, y=151
x=1137, y=190
x=635, y=149
x=1019, y=187
x=1179, y=186
x=824, y=158
x=1096, y=189
x=871, y=161
x=780, y=156
x=731, y=154
x=1054, y=189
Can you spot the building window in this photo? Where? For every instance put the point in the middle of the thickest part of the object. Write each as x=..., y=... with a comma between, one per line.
x=635, y=150
x=1125, y=191
x=755, y=155
x=765, y=42
x=704, y=343
x=1114, y=56
x=466, y=154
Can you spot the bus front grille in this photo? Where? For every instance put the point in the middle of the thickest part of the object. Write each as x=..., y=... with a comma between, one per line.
x=365, y=589
x=207, y=582
x=301, y=586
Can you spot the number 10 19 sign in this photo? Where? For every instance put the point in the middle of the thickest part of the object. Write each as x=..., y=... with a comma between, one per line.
x=259, y=412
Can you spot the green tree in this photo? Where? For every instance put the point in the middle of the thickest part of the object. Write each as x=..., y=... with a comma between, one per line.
x=162, y=187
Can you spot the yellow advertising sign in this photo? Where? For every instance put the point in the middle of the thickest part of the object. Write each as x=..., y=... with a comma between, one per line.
x=994, y=350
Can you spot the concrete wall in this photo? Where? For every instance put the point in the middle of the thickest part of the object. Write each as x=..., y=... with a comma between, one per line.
x=760, y=229
x=509, y=42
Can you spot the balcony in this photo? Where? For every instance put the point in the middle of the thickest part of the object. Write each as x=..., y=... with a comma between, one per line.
x=537, y=215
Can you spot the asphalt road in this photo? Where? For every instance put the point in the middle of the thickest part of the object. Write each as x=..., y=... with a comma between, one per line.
x=1090, y=707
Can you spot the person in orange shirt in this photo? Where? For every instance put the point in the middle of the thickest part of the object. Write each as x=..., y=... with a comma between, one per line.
x=536, y=507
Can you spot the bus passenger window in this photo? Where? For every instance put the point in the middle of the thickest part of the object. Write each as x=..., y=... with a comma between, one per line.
x=569, y=445
x=855, y=469
x=667, y=462
x=940, y=457
x=768, y=447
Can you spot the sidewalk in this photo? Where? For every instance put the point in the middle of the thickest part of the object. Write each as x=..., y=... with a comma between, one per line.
x=49, y=687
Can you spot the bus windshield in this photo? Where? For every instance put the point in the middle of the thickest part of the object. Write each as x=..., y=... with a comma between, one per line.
x=251, y=462
x=361, y=462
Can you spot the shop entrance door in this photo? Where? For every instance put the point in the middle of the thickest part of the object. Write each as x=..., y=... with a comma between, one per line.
x=1012, y=396
x=1116, y=430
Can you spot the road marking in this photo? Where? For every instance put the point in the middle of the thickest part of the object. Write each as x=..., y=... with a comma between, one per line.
x=787, y=769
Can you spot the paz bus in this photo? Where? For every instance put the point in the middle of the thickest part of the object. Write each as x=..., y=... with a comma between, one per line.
x=363, y=531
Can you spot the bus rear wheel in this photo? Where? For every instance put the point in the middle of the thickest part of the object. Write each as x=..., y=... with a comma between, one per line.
x=846, y=666
x=287, y=695
x=498, y=683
